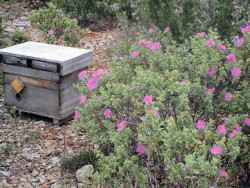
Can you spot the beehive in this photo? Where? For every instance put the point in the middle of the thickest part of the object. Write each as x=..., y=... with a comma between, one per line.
x=39, y=78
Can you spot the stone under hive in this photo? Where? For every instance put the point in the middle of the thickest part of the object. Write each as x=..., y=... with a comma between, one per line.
x=39, y=78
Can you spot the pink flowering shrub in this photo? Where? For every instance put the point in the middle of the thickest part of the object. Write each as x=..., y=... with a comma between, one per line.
x=57, y=27
x=178, y=116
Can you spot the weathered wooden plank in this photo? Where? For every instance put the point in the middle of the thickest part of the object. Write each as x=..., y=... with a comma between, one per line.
x=69, y=98
x=68, y=82
x=47, y=66
x=76, y=65
x=68, y=111
x=34, y=99
x=29, y=72
x=14, y=60
x=31, y=81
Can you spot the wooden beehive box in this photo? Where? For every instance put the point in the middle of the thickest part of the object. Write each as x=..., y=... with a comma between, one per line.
x=39, y=78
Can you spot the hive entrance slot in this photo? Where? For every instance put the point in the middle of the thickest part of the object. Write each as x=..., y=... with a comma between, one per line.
x=29, y=63
x=18, y=96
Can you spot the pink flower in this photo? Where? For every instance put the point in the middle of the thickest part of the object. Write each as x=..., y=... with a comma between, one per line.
x=228, y=97
x=151, y=31
x=96, y=76
x=121, y=126
x=224, y=174
x=148, y=99
x=240, y=42
x=99, y=97
x=233, y=134
x=209, y=90
x=50, y=32
x=119, y=58
x=211, y=71
x=245, y=29
x=134, y=54
x=154, y=111
x=155, y=46
x=210, y=43
x=141, y=149
x=247, y=121
x=231, y=58
x=134, y=87
x=222, y=130
x=83, y=74
x=104, y=71
x=237, y=127
x=157, y=114
x=200, y=125
x=76, y=116
x=83, y=100
x=92, y=84
x=223, y=47
x=201, y=34
x=107, y=113
x=236, y=72
x=225, y=119
x=139, y=43
x=146, y=43
x=166, y=30
x=75, y=32
x=183, y=83
x=216, y=150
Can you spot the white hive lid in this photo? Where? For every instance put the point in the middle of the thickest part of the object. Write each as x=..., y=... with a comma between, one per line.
x=46, y=52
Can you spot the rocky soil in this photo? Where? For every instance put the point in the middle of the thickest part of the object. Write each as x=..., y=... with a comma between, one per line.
x=31, y=148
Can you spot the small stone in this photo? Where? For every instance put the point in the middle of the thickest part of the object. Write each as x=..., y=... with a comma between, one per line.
x=26, y=185
x=96, y=146
x=83, y=173
x=49, y=167
x=20, y=24
x=4, y=173
x=12, y=17
x=51, y=178
x=33, y=180
x=31, y=157
x=23, y=180
x=40, y=123
x=56, y=185
x=80, y=184
x=8, y=30
x=23, y=18
x=34, y=173
x=56, y=161
x=42, y=179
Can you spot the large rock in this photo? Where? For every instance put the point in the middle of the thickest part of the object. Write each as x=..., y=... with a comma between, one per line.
x=85, y=172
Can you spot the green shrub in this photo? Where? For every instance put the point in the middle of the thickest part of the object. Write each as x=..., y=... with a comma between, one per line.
x=76, y=162
x=184, y=17
x=1, y=26
x=147, y=112
x=37, y=3
x=81, y=8
x=57, y=27
x=20, y=37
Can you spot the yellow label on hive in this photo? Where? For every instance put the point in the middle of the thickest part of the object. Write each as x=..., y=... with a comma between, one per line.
x=17, y=85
